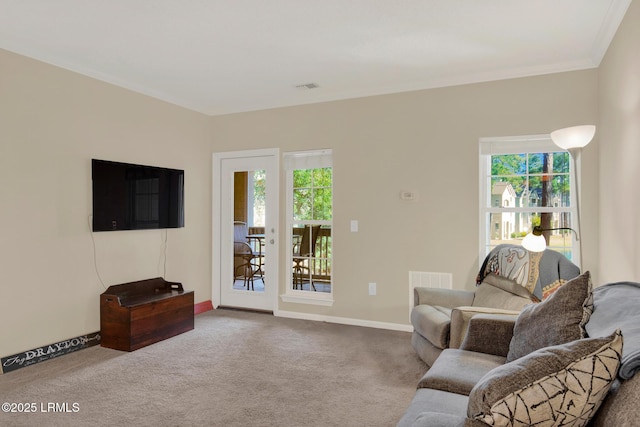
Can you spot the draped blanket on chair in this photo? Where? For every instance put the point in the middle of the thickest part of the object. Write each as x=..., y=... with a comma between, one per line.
x=540, y=273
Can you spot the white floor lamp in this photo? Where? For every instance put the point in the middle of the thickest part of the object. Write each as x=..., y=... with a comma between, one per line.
x=572, y=139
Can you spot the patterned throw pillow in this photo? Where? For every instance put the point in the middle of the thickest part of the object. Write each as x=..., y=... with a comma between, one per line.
x=557, y=320
x=562, y=385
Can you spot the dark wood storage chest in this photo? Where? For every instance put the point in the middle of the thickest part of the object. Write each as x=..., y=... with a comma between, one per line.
x=136, y=314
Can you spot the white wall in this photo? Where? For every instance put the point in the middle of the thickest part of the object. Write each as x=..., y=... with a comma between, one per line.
x=619, y=134
x=52, y=122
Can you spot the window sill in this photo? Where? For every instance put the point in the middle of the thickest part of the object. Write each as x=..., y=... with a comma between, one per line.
x=314, y=298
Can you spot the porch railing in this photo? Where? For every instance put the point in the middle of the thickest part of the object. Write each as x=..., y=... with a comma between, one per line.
x=321, y=270
x=321, y=265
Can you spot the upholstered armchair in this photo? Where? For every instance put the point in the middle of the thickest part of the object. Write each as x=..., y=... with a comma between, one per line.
x=510, y=278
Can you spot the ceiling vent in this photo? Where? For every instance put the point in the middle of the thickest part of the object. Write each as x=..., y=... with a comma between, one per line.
x=307, y=86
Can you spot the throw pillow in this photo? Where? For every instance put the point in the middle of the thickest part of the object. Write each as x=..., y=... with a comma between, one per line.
x=552, y=287
x=561, y=385
x=557, y=320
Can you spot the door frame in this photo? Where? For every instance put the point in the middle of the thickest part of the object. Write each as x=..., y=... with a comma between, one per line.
x=216, y=215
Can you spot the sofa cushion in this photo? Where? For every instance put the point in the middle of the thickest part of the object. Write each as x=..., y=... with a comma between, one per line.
x=458, y=371
x=489, y=333
x=620, y=408
x=432, y=322
x=558, y=385
x=431, y=419
x=558, y=319
x=436, y=401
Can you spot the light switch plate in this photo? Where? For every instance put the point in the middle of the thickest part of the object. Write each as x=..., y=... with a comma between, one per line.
x=354, y=225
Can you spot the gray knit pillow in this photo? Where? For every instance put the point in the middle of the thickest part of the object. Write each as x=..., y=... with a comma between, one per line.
x=559, y=319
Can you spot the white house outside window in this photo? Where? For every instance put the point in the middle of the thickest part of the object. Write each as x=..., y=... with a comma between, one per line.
x=525, y=181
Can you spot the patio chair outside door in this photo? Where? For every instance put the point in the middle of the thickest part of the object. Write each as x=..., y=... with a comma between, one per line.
x=303, y=251
x=247, y=259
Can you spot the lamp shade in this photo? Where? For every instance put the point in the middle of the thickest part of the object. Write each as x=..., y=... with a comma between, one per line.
x=534, y=243
x=573, y=137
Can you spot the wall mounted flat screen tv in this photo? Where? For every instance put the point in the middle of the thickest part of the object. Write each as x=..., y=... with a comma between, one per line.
x=134, y=197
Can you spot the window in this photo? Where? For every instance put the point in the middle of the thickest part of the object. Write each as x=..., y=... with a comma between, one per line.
x=525, y=181
x=309, y=226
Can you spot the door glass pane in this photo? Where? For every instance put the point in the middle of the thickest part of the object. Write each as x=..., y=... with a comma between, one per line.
x=249, y=231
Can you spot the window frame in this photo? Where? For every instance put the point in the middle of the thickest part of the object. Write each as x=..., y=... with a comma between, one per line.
x=300, y=160
x=532, y=144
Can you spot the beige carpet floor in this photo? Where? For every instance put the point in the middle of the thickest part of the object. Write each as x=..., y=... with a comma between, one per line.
x=235, y=369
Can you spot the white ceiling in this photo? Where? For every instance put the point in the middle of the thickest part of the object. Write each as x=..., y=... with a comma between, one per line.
x=226, y=56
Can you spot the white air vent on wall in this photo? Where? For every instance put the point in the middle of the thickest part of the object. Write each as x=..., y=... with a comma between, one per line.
x=429, y=280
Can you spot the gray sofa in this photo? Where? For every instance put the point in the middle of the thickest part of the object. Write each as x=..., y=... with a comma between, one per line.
x=460, y=387
x=510, y=278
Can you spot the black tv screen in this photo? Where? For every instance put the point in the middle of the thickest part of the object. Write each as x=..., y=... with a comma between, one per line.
x=134, y=197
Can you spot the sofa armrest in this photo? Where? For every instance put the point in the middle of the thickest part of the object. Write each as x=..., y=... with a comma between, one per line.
x=442, y=297
x=490, y=333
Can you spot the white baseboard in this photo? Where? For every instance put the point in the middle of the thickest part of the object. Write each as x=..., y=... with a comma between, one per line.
x=344, y=320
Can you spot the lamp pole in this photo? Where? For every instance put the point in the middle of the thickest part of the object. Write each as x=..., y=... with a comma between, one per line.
x=575, y=152
x=573, y=139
